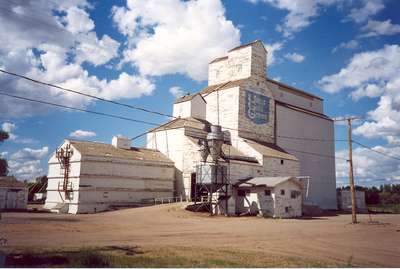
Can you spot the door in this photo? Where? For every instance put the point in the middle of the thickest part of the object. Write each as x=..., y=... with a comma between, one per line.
x=11, y=199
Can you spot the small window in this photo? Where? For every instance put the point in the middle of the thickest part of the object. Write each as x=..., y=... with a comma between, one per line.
x=282, y=162
x=294, y=194
x=282, y=192
x=267, y=192
x=286, y=209
x=310, y=104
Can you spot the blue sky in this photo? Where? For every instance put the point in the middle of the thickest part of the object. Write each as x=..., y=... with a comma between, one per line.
x=146, y=53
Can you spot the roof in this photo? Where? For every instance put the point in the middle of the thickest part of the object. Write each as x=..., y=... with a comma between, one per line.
x=88, y=148
x=293, y=89
x=313, y=113
x=270, y=150
x=248, y=44
x=181, y=122
x=219, y=59
x=222, y=86
x=11, y=182
x=188, y=97
x=267, y=181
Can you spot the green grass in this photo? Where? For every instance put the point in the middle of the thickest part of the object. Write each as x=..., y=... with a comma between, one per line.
x=389, y=208
x=154, y=257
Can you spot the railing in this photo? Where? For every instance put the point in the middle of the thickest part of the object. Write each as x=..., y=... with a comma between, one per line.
x=180, y=199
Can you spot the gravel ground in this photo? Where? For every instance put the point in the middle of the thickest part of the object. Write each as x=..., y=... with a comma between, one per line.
x=331, y=239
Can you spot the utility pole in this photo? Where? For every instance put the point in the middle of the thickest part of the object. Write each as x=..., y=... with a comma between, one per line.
x=350, y=161
x=351, y=177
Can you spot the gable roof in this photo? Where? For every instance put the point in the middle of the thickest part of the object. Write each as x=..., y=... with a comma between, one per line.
x=97, y=149
x=267, y=181
x=11, y=182
x=221, y=86
x=270, y=150
x=188, y=97
x=292, y=89
x=248, y=44
x=180, y=123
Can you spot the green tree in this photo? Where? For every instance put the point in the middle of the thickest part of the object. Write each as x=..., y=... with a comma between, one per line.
x=3, y=162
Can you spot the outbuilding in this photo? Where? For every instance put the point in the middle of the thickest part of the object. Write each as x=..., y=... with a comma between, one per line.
x=88, y=177
x=344, y=201
x=13, y=194
x=277, y=197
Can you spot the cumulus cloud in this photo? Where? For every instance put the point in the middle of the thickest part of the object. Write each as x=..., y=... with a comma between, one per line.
x=377, y=28
x=272, y=49
x=300, y=13
x=367, y=9
x=26, y=163
x=373, y=74
x=370, y=168
x=9, y=128
x=295, y=57
x=50, y=41
x=184, y=43
x=82, y=134
x=177, y=91
x=352, y=44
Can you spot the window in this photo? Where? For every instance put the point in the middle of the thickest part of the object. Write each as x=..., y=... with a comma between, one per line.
x=287, y=209
x=267, y=192
x=282, y=192
x=294, y=194
x=282, y=161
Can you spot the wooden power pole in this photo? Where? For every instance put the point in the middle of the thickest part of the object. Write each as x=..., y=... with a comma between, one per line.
x=351, y=178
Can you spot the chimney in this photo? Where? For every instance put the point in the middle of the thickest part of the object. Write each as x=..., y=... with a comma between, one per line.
x=121, y=142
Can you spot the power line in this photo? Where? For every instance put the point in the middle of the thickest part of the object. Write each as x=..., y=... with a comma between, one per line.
x=84, y=94
x=377, y=151
x=78, y=109
x=148, y=110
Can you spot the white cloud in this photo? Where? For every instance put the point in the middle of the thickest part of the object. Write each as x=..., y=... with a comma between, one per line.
x=177, y=91
x=82, y=134
x=352, y=44
x=9, y=128
x=159, y=43
x=300, y=13
x=373, y=74
x=36, y=42
x=369, y=167
x=295, y=57
x=377, y=28
x=272, y=49
x=25, y=163
x=368, y=8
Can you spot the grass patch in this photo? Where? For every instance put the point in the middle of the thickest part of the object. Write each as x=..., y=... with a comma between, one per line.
x=385, y=208
x=115, y=256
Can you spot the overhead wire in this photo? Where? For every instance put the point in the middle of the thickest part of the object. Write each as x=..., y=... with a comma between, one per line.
x=145, y=109
x=377, y=151
x=78, y=109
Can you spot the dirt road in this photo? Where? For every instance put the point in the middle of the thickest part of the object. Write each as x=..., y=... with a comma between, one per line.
x=330, y=239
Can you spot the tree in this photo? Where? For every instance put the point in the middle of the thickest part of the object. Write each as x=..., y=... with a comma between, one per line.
x=3, y=162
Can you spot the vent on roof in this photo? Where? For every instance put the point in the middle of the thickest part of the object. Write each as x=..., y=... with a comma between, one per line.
x=121, y=142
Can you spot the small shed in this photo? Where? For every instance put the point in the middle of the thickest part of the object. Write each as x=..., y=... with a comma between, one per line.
x=13, y=194
x=277, y=197
x=344, y=201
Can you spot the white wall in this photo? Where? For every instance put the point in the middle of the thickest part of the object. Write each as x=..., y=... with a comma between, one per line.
x=322, y=189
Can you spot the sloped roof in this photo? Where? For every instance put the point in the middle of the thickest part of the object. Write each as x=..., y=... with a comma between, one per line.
x=270, y=150
x=88, y=148
x=11, y=182
x=181, y=122
x=221, y=86
x=188, y=97
x=248, y=44
x=292, y=89
x=219, y=59
x=267, y=181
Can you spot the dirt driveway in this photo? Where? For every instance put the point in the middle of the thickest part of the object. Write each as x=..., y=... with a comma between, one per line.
x=331, y=239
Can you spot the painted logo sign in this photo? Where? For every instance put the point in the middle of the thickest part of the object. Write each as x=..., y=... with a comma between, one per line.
x=257, y=107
